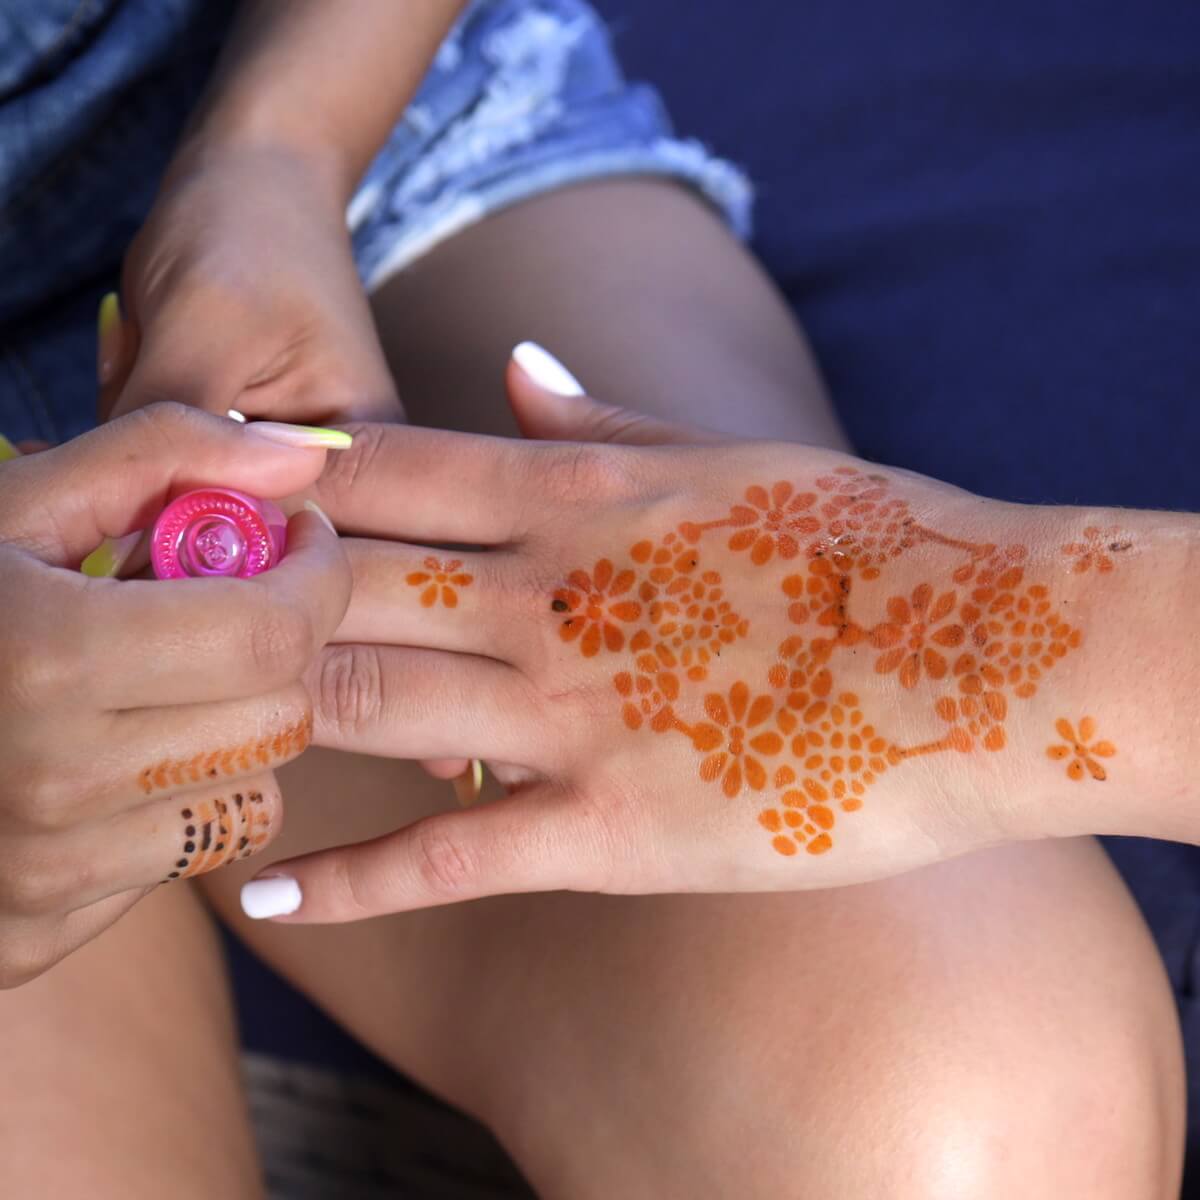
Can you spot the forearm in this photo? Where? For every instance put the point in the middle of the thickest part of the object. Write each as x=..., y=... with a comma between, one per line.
x=324, y=81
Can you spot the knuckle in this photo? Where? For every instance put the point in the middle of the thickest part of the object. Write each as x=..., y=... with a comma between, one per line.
x=347, y=468
x=41, y=803
x=443, y=864
x=22, y=960
x=35, y=887
x=282, y=640
x=585, y=473
x=348, y=695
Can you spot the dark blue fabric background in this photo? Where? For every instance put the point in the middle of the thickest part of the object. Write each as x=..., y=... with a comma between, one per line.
x=987, y=218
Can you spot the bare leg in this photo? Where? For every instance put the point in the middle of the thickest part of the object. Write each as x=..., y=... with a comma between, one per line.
x=120, y=1077
x=998, y=1026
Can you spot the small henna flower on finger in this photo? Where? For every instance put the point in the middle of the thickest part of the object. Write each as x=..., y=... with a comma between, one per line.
x=440, y=579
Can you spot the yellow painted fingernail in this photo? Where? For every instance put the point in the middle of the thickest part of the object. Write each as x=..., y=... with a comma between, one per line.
x=7, y=449
x=109, y=557
x=469, y=784
x=108, y=337
x=306, y=436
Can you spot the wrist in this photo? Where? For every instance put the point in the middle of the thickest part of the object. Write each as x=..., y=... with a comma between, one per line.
x=246, y=126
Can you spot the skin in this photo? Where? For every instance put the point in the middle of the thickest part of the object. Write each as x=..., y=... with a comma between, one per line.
x=124, y=757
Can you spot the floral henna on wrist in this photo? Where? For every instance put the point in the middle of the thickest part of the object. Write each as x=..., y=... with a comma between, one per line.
x=440, y=579
x=218, y=832
x=974, y=639
x=238, y=760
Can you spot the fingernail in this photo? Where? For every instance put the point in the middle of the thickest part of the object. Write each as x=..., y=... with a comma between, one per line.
x=318, y=511
x=305, y=436
x=273, y=897
x=234, y=415
x=7, y=449
x=109, y=557
x=545, y=370
x=469, y=784
x=108, y=337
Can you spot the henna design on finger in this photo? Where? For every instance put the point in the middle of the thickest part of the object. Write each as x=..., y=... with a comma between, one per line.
x=975, y=637
x=217, y=832
x=237, y=760
x=440, y=580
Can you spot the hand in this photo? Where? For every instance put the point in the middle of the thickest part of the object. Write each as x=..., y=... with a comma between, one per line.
x=241, y=292
x=139, y=719
x=830, y=712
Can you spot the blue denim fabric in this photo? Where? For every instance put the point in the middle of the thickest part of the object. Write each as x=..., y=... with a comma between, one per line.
x=525, y=96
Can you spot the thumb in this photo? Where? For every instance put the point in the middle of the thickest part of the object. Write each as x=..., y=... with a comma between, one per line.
x=62, y=503
x=549, y=405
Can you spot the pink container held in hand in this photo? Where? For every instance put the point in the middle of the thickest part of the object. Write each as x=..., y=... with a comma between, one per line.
x=214, y=532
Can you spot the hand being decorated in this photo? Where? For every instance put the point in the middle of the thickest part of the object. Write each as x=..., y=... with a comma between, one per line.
x=716, y=667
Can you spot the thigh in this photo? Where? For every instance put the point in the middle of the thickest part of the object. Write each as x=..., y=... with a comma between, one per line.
x=942, y=1033
x=120, y=1068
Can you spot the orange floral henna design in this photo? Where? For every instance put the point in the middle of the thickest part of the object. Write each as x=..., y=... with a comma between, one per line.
x=599, y=604
x=768, y=523
x=1095, y=549
x=1081, y=749
x=238, y=760
x=440, y=579
x=915, y=634
x=734, y=741
x=974, y=641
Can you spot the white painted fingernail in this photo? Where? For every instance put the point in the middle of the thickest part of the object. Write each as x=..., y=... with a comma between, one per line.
x=273, y=897
x=545, y=370
x=234, y=415
x=318, y=511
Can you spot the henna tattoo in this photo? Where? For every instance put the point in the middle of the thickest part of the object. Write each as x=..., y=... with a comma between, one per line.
x=238, y=760
x=1082, y=750
x=440, y=580
x=974, y=639
x=218, y=832
x=1096, y=547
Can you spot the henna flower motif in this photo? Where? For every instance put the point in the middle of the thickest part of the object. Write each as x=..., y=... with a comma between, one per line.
x=912, y=630
x=730, y=738
x=1095, y=548
x=440, y=578
x=1081, y=750
x=596, y=606
x=773, y=522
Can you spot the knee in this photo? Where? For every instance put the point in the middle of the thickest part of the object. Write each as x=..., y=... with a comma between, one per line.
x=953, y=1119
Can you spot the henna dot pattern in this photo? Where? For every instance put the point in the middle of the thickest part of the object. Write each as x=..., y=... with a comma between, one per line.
x=216, y=832
x=975, y=637
x=1079, y=749
x=440, y=581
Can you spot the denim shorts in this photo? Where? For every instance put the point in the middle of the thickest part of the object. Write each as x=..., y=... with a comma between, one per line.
x=524, y=96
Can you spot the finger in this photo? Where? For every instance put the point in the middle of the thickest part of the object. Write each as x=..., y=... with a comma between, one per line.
x=412, y=596
x=174, y=838
x=64, y=502
x=217, y=639
x=547, y=407
x=406, y=703
x=431, y=485
x=183, y=352
x=32, y=945
x=116, y=351
x=532, y=841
